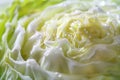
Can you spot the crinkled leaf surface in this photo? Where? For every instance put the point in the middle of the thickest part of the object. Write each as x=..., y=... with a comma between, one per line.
x=60, y=40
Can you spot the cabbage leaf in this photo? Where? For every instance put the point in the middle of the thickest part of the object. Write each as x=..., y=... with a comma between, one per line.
x=60, y=40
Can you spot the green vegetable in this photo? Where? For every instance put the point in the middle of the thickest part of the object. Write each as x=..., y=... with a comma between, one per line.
x=60, y=40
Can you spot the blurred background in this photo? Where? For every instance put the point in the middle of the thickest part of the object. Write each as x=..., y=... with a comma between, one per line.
x=4, y=4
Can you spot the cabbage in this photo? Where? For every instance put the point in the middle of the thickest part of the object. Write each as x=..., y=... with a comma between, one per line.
x=60, y=40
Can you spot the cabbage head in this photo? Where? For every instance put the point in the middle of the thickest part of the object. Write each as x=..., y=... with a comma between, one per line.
x=60, y=40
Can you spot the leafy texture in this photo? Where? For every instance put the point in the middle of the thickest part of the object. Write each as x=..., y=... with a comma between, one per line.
x=60, y=40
